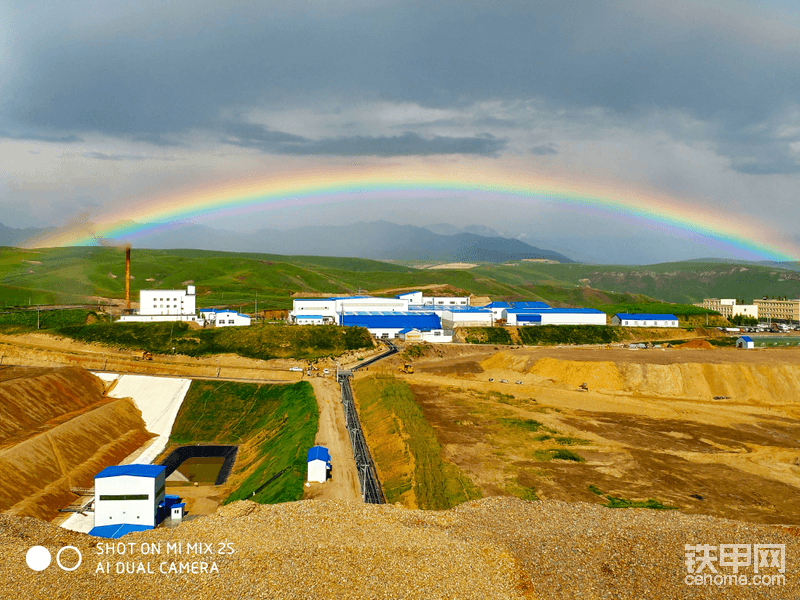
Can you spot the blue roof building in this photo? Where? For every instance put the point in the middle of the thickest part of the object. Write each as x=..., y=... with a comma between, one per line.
x=151, y=471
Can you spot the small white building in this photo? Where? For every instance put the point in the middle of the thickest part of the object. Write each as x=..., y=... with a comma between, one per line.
x=419, y=299
x=177, y=511
x=644, y=320
x=128, y=494
x=165, y=305
x=220, y=317
x=319, y=463
x=745, y=342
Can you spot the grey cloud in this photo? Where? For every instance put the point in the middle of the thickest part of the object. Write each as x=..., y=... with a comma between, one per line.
x=408, y=144
x=448, y=54
x=543, y=149
x=38, y=137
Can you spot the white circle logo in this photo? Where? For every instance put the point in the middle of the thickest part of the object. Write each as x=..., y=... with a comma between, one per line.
x=38, y=558
x=78, y=552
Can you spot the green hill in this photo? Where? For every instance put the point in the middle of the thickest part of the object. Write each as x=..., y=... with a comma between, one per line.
x=81, y=275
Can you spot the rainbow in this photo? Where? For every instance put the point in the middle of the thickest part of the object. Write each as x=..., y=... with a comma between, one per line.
x=736, y=237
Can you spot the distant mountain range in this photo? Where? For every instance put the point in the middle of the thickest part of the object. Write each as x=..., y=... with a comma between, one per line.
x=378, y=240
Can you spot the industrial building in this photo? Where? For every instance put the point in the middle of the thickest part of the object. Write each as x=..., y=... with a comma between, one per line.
x=497, y=308
x=129, y=495
x=319, y=463
x=434, y=336
x=465, y=316
x=164, y=305
x=784, y=311
x=553, y=316
x=419, y=299
x=388, y=325
x=644, y=320
x=221, y=317
x=729, y=307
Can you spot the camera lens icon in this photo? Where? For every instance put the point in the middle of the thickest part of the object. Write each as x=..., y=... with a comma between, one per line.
x=39, y=558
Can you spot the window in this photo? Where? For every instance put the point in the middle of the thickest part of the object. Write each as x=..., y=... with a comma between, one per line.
x=124, y=497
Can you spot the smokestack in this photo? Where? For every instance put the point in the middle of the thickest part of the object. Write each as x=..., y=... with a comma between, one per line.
x=128, y=277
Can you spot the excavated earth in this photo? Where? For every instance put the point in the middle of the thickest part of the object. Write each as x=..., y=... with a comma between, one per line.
x=492, y=548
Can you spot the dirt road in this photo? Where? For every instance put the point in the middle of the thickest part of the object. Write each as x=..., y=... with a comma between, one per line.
x=332, y=434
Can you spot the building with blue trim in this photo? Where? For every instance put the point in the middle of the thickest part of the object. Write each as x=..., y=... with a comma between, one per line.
x=130, y=495
x=319, y=463
x=554, y=316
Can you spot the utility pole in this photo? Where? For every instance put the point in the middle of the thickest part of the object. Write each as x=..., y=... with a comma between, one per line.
x=37, y=316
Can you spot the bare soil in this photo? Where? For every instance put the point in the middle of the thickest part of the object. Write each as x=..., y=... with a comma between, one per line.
x=713, y=432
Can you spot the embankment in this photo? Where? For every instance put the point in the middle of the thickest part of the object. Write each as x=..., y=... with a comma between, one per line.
x=38, y=473
x=31, y=397
x=747, y=382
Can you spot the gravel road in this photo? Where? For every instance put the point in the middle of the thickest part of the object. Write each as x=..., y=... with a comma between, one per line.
x=490, y=548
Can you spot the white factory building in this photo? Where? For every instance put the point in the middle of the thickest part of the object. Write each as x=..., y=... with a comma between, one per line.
x=129, y=495
x=164, y=305
x=419, y=299
x=553, y=316
x=644, y=320
x=434, y=336
x=322, y=310
x=221, y=317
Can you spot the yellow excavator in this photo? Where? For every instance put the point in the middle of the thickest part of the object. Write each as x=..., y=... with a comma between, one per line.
x=406, y=368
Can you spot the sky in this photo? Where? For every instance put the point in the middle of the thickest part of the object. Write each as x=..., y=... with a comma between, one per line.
x=108, y=107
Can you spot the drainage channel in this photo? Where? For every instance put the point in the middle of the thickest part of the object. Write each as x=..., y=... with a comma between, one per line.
x=371, y=491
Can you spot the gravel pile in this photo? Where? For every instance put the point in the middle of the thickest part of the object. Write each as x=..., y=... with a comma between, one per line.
x=490, y=548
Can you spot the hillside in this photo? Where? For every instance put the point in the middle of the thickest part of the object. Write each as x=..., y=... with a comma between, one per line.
x=80, y=275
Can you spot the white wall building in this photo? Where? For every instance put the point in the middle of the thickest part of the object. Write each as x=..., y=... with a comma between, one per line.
x=554, y=316
x=419, y=299
x=466, y=316
x=644, y=320
x=165, y=305
x=728, y=307
x=224, y=318
x=128, y=494
x=334, y=307
x=434, y=336
x=319, y=462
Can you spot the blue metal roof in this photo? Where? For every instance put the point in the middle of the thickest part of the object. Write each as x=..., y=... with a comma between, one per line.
x=116, y=531
x=550, y=311
x=392, y=320
x=152, y=471
x=531, y=304
x=318, y=453
x=498, y=305
x=645, y=317
x=746, y=338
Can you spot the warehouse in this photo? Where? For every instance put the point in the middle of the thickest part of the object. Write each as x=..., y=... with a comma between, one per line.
x=334, y=307
x=220, y=317
x=497, y=308
x=319, y=463
x=466, y=316
x=417, y=298
x=554, y=316
x=644, y=320
x=128, y=495
x=387, y=324
x=434, y=336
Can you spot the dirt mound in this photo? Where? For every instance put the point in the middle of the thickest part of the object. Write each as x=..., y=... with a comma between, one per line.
x=492, y=548
x=702, y=344
x=505, y=361
x=597, y=375
x=32, y=397
x=37, y=474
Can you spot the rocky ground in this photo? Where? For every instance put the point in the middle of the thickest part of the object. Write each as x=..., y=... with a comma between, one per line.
x=491, y=548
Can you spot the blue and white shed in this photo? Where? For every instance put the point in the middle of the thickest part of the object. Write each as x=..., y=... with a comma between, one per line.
x=745, y=342
x=319, y=462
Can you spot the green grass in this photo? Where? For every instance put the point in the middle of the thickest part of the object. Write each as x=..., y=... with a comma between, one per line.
x=260, y=341
x=26, y=320
x=437, y=484
x=277, y=423
x=655, y=308
x=557, y=454
x=615, y=502
x=569, y=334
x=487, y=335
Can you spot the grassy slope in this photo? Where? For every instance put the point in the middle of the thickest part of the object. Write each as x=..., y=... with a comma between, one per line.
x=274, y=426
x=387, y=405
x=260, y=341
x=72, y=274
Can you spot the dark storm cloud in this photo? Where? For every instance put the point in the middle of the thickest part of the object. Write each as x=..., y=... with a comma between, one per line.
x=543, y=150
x=256, y=136
x=150, y=81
